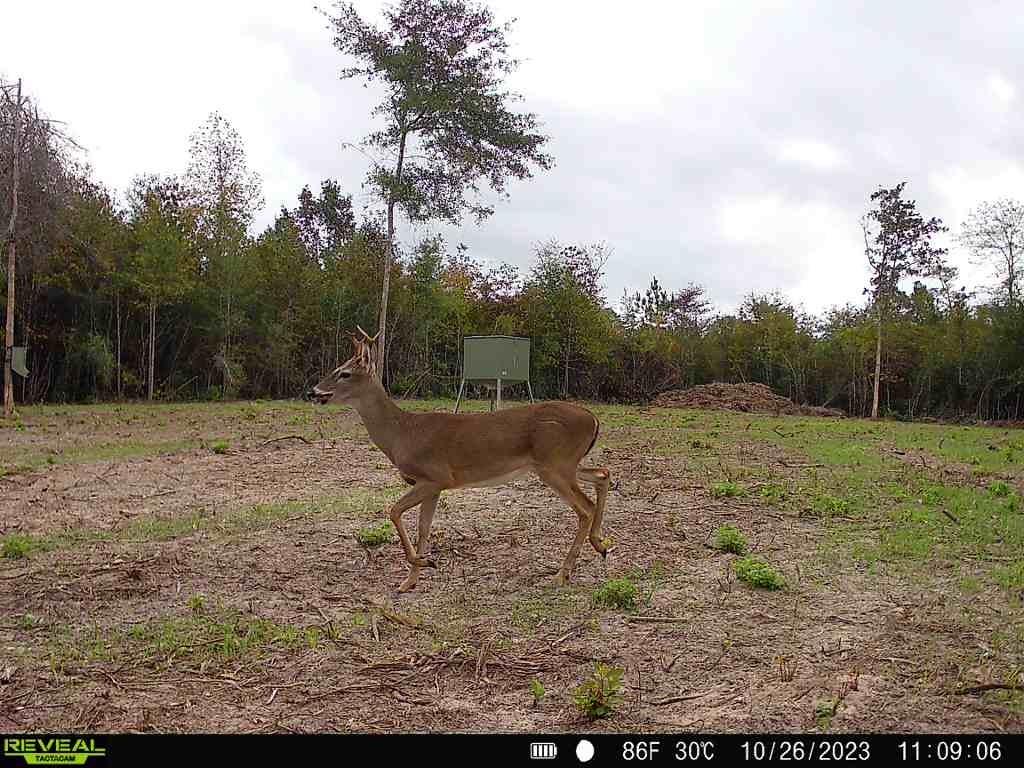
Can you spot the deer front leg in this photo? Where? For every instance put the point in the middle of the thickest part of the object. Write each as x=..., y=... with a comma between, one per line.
x=601, y=479
x=427, y=509
x=564, y=484
x=416, y=495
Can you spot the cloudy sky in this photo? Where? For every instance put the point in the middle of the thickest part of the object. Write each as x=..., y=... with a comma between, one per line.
x=733, y=144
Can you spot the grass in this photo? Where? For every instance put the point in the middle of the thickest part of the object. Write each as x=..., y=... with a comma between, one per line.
x=727, y=490
x=531, y=613
x=156, y=528
x=758, y=573
x=220, y=446
x=828, y=505
x=891, y=504
x=728, y=538
x=620, y=594
x=16, y=546
x=774, y=493
x=222, y=637
x=537, y=691
x=376, y=535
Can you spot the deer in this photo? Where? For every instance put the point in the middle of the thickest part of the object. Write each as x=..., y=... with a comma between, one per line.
x=436, y=452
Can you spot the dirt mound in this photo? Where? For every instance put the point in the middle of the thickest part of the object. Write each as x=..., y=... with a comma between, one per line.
x=753, y=398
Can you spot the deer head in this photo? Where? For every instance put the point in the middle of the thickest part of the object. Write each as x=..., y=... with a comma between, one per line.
x=349, y=380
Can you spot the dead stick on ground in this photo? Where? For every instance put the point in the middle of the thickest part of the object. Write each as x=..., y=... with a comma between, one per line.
x=949, y=515
x=390, y=615
x=286, y=437
x=677, y=699
x=989, y=687
x=656, y=619
x=785, y=463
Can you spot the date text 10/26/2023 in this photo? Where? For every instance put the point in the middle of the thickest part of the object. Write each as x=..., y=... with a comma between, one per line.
x=861, y=749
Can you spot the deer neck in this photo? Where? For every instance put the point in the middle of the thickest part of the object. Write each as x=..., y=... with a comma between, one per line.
x=382, y=419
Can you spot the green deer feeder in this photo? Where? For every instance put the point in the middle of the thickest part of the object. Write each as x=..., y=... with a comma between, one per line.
x=495, y=361
x=19, y=360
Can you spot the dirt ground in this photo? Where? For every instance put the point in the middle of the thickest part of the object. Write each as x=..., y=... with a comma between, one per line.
x=186, y=584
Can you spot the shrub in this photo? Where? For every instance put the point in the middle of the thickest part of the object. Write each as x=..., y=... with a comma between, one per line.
x=728, y=538
x=828, y=505
x=599, y=695
x=537, y=689
x=758, y=573
x=617, y=593
x=376, y=535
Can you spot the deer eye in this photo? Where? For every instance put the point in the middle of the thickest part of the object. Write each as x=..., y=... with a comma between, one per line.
x=344, y=374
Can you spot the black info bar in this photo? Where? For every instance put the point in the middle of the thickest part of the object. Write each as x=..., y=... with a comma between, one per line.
x=590, y=749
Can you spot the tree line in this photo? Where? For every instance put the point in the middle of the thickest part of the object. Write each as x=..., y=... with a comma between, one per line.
x=165, y=290
x=168, y=295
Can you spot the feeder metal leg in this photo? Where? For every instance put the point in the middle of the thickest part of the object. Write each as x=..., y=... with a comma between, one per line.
x=458, y=399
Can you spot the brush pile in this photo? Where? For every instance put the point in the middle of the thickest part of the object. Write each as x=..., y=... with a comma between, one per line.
x=750, y=398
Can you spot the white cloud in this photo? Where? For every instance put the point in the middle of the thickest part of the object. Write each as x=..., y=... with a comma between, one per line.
x=1001, y=90
x=814, y=155
x=812, y=249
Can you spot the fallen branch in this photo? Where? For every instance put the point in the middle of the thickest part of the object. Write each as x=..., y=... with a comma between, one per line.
x=656, y=619
x=285, y=437
x=391, y=615
x=677, y=699
x=785, y=463
x=949, y=515
x=989, y=687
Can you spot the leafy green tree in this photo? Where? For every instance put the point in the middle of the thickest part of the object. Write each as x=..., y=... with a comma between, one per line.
x=225, y=196
x=163, y=268
x=898, y=244
x=326, y=221
x=448, y=124
x=566, y=312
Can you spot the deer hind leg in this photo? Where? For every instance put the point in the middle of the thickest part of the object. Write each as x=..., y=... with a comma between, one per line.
x=601, y=480
x=427, y=509
x=415, y=495
x=584, y=508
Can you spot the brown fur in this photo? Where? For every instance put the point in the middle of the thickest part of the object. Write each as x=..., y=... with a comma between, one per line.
x=437, y=452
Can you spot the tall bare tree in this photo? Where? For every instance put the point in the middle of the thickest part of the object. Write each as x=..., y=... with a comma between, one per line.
x=994, y=233
x=898, y=244
x=15, y=107
x=448, y=126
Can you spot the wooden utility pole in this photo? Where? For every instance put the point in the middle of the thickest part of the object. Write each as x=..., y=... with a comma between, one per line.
x=12, y=244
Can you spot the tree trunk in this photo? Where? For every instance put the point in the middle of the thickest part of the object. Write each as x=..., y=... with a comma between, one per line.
x=117, y=304
x=388, y=258
x=878, y=370
x=152, y=345
x=12, y=259
x=1011, y=276
x=227, y=346
x=565, y=381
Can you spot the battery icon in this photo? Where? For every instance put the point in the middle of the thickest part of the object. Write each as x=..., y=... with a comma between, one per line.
x=543, y=750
